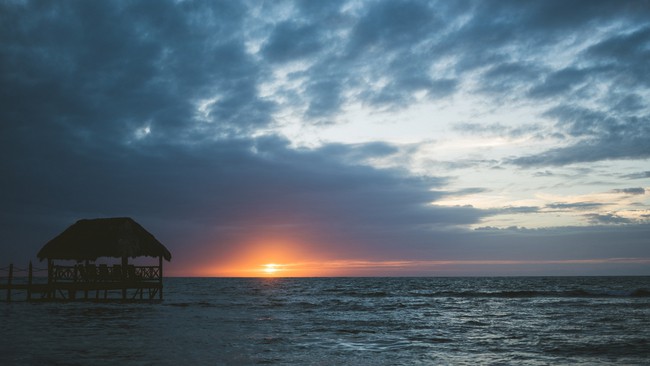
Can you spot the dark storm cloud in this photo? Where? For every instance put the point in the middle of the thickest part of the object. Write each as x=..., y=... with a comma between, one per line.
x=400, y=91
x=290, y=41
x=546, y=244
x=96, y=78
x=628, y=103
x=627, y=53
x=508, y=78
x=602, y=136
x=396, y=37
x=508, y=40
x=235, y=181
x=519, y=210
x=574, y=206
x=326, y=98
x=102, y=69
x=385, y=40
x=358, y=153
x=608, y=218
x=497, y=129
x=559, y=82
x=640, y=175
x=400, y=42
x=141, y=109
x=236, y=187
x=153, y=68
x=632, y=191
x=468, y=191
x=497, y=24
x=589, y=151
x=389, y=25
x=618, y=127
x=508, y=32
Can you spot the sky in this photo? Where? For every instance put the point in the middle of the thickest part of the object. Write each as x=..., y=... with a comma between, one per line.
x=334, y=138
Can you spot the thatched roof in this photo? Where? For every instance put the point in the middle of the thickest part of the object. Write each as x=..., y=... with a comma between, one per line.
x=114, y=237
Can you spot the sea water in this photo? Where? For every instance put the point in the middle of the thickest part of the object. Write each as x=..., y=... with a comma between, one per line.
x=344, y=321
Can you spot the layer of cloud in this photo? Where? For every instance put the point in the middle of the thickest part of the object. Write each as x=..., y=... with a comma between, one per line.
x=232, y=190
x=165, y=65
x=169, y=112
x=633, y=191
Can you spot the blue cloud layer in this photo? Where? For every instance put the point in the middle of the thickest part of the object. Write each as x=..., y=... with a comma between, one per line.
x=155, y=109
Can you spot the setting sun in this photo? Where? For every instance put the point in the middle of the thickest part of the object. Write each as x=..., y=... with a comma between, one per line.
x=270, y=268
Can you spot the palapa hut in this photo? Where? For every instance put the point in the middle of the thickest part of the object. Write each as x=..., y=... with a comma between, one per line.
x=86, y=241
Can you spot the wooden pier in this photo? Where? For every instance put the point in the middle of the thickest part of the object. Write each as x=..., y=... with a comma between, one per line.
x=81, y=282
x=82, y=244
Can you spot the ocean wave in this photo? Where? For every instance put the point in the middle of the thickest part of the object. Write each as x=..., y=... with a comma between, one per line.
x=575, y=293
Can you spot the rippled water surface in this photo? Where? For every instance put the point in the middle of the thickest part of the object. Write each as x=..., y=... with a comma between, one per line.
x=333, y=321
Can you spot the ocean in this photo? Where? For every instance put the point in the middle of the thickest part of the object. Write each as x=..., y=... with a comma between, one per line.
x=344, y=321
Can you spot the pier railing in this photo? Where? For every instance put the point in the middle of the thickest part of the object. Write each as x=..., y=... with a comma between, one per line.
x=20, y=281
x=104, y=273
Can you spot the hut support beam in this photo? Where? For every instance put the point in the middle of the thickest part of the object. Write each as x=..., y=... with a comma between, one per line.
x=29, y=282
x=86, y=278
x=11, y=274
x=160, y=268
x=125, y=263
x=50, y=277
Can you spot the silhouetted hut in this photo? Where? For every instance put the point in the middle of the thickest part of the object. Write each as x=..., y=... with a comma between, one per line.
x=87, y=240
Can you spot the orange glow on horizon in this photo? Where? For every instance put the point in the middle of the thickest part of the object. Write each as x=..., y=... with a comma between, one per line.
x=284, y=256
x=268, y=257
x=334, y=268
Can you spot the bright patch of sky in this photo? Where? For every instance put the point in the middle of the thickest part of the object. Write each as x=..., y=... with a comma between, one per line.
x=438, y=137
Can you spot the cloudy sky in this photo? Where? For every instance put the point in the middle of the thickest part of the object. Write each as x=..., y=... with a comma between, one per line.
x=334, y=137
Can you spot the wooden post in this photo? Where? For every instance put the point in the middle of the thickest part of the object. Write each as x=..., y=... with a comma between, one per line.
x=29, y=282
x=51, y=293
x=11, y=273
x=72, y=292
x=160, y=269
x=125, y=263
x=86, y=279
